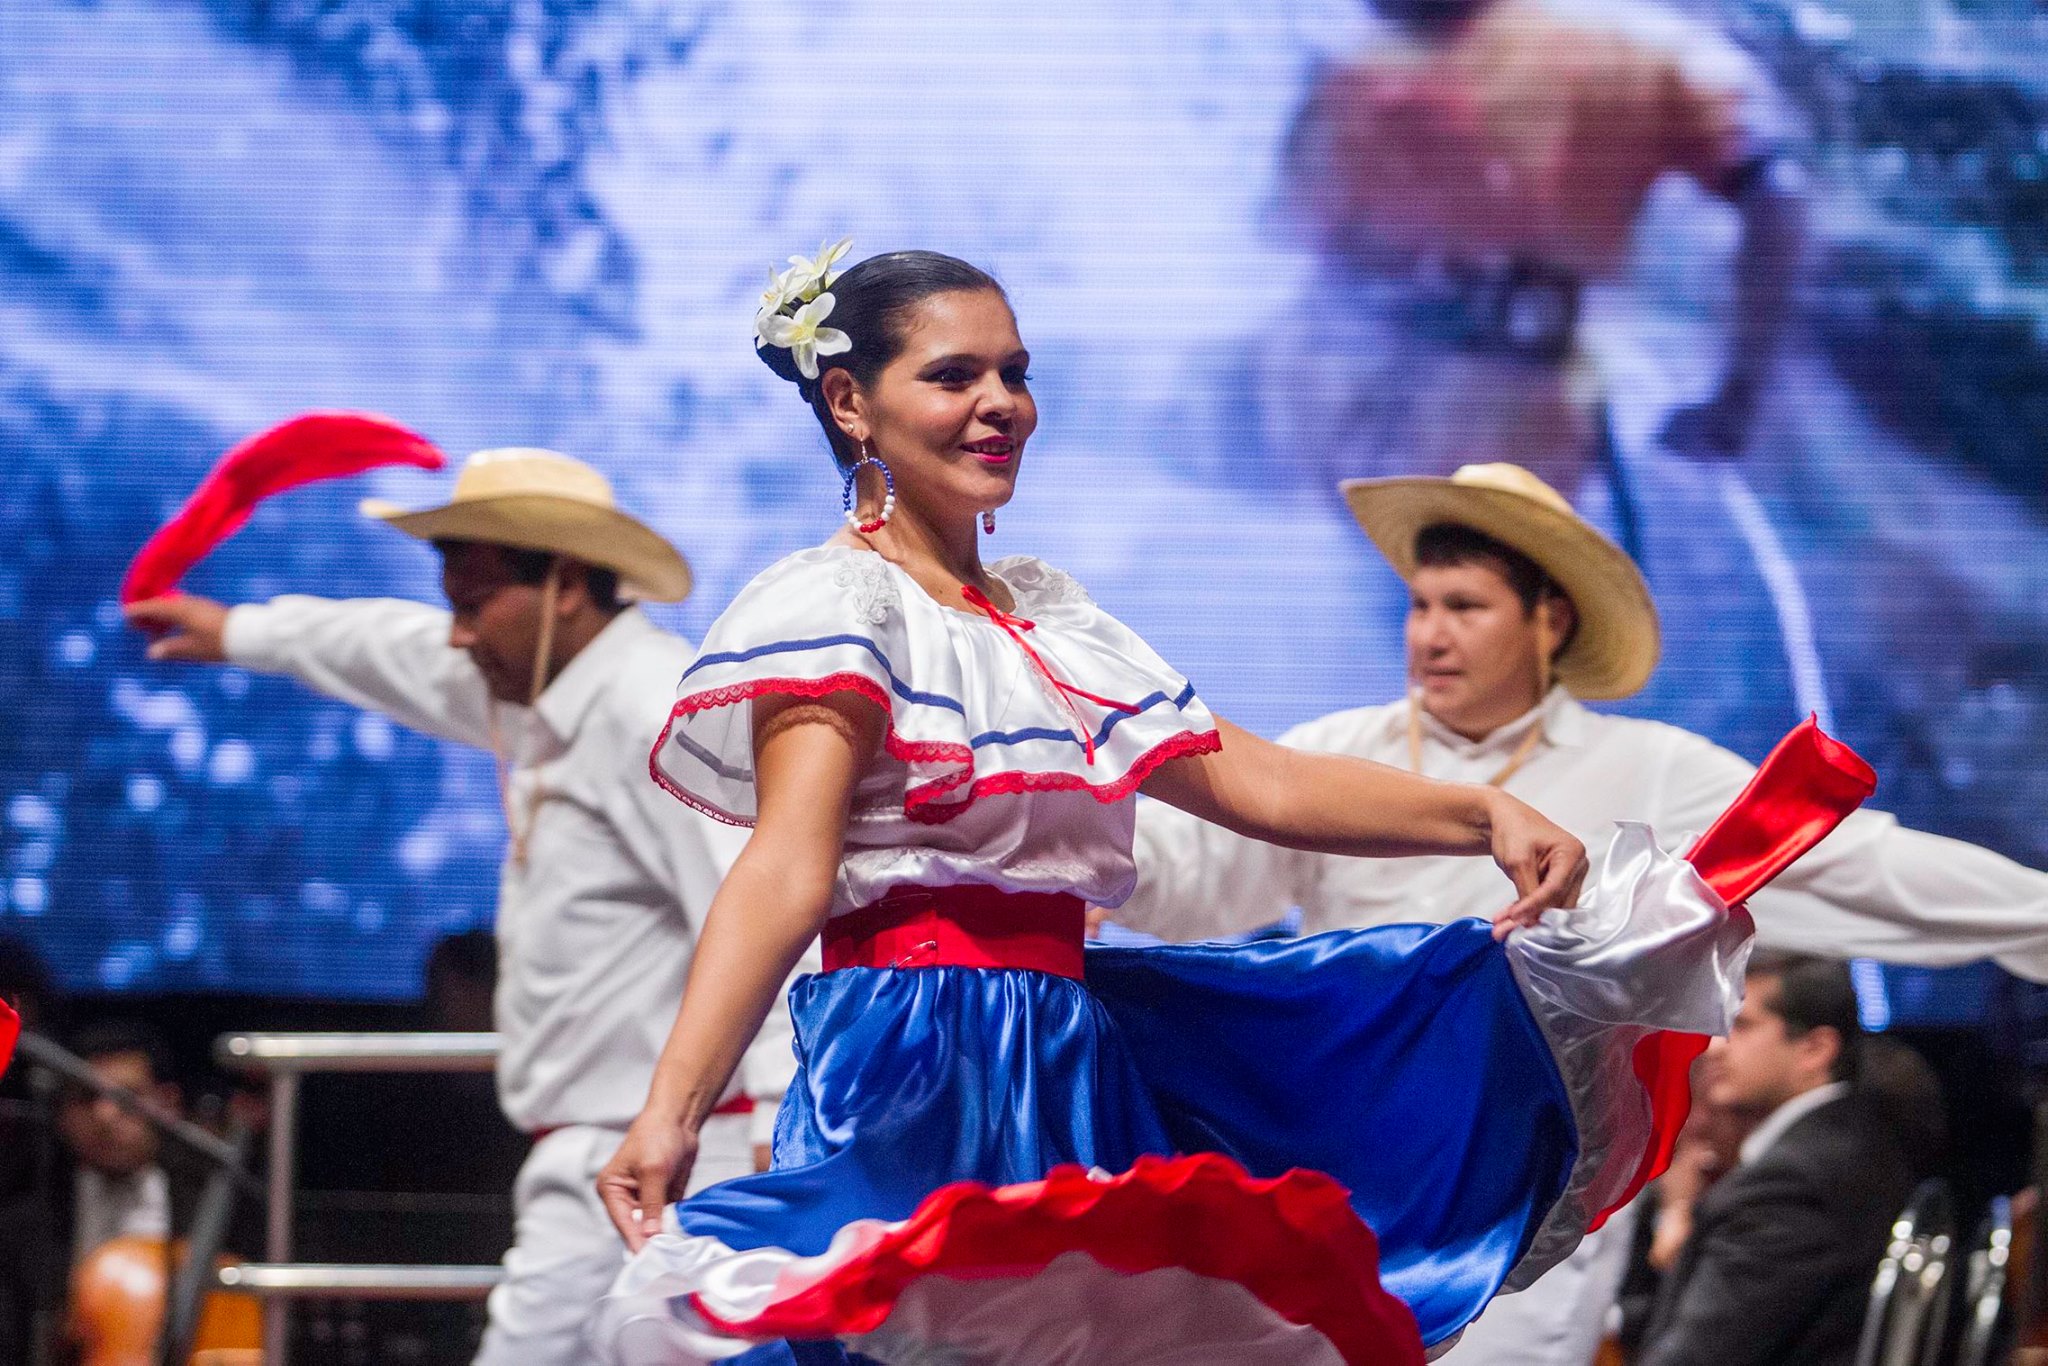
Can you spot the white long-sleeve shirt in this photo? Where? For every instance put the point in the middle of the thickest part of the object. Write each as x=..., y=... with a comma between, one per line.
x=596, y=928
x=1871, y=889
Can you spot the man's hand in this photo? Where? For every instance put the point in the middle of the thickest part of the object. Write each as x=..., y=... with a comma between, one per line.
x=1717, y=429
x=187, y=629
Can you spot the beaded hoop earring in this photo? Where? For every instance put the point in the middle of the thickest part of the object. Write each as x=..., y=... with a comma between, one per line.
x=851, y=494
x=988, y=522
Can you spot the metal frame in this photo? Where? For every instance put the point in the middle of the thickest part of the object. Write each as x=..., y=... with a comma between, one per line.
x=1985, y=1312
x=286, y=1059
x=1907, y=1320
x=329, y=1281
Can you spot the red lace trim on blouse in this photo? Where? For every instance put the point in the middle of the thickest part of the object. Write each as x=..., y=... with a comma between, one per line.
x=920, y=803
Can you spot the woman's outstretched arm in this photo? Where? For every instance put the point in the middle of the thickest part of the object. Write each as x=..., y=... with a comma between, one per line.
x=808, y=755
x=1337, y=804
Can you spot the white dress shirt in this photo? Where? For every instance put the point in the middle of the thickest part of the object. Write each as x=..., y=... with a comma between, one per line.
x=108, y=1207
x=596, y=928
x=1786, y=1115
x=1872, y=889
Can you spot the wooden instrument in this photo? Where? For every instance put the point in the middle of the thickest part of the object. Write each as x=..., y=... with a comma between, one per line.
x=116, y=1309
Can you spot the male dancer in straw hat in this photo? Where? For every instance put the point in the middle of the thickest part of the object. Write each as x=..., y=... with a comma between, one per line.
x=1519, y=612
x=606, y=882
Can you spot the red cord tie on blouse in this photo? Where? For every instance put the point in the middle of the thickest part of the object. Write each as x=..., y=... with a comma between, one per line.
x=1016, y=626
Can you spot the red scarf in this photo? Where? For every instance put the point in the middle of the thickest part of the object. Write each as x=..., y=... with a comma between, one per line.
x=307, y=448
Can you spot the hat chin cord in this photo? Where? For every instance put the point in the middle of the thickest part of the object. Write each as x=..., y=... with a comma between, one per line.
x=550, y=595
x=519, y=826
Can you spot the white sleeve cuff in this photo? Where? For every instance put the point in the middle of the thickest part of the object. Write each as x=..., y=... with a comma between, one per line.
x=251, y=637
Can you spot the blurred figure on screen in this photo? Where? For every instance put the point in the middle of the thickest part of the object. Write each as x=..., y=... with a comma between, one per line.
x=1473, y=182
x=1466, y=180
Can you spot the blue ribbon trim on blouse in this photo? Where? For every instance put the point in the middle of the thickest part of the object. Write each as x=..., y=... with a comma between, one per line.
x=896, y=685
x=931, y=699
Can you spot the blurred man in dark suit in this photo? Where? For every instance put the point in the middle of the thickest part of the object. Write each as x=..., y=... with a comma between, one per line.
x=1779, y=1265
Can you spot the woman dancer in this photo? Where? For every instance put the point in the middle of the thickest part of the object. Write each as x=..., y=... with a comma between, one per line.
x=975, y=1162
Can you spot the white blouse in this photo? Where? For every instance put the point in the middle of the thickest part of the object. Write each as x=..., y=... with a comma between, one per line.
x=1002, y=765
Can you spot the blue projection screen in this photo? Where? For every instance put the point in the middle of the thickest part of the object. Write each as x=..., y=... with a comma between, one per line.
x=1250, y=256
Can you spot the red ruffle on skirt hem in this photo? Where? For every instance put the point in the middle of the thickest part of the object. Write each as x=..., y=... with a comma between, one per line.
x=1293, y=1242
x=10, y=1030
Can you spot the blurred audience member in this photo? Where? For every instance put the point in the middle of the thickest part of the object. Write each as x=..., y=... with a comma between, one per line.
x=112, y=1184
x=1778, y=1265
x=1709, y=1147
x=1902, y=1085
x=462, y=976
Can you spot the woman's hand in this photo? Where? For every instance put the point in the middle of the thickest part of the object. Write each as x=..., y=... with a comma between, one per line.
x=1546, y=863
x=648, y=1171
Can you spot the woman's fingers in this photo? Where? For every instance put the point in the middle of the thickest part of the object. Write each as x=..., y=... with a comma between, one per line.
x=620, y=1192
x=654, y=1183
x=1582, y=868
x=1564, y=872
x=1550, y=875
x=637, y=1183
x=1519, y=916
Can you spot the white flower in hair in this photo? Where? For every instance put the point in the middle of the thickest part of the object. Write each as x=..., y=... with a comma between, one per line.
x=808, y=277
x=783, y=290
x=803, y=336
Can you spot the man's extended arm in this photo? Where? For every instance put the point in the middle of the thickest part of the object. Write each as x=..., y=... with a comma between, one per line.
x=1200, y=881
x=1874, y=889
x=384, y=654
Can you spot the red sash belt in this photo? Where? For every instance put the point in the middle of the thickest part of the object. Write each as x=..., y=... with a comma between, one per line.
x=739, y=1105
x=961, y=927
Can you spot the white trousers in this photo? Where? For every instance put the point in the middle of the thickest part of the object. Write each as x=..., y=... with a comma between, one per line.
x=565, y=1253
x=1560, y=1320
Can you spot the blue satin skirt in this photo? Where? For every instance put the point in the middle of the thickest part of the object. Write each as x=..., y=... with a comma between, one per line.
x=1400, y=1060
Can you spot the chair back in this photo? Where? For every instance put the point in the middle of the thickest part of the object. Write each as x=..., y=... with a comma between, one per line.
x=1907, y=1321
x=1987, y=1318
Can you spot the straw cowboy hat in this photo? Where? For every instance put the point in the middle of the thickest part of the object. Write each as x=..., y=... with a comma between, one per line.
x=539, y=500
x=1617, y=642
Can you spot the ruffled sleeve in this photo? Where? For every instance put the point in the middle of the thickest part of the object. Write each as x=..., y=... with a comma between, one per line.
x=818, y=622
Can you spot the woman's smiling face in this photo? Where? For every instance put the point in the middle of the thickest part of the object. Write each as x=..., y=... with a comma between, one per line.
x=950, y=415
